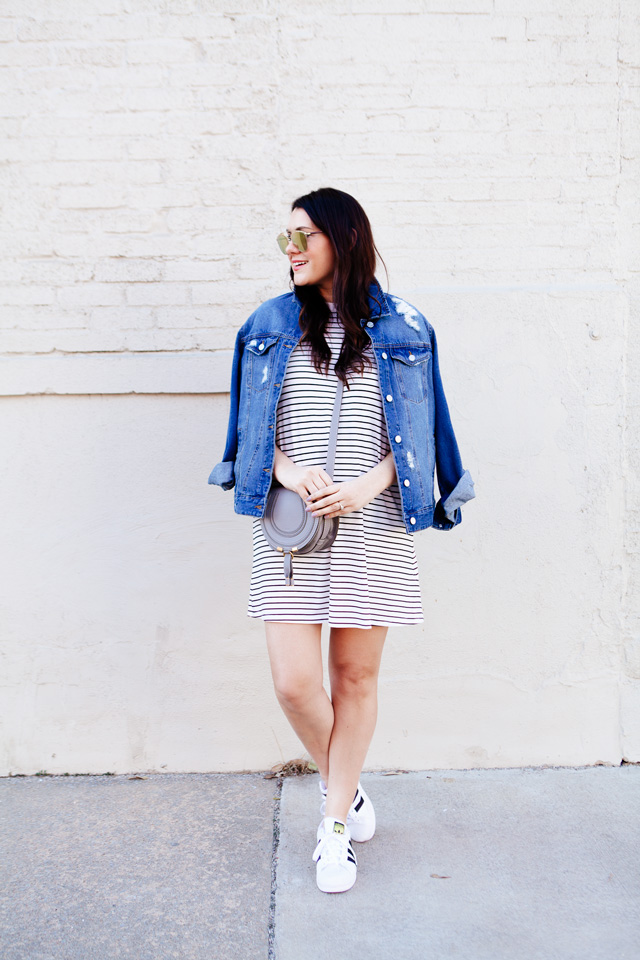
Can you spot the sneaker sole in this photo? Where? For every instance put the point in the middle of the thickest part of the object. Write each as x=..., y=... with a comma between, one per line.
x=334, y=888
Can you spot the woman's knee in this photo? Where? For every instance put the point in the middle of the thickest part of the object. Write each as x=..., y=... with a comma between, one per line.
x=296, y=663
x=355, y=681
x=295, y=689
x=354, y=662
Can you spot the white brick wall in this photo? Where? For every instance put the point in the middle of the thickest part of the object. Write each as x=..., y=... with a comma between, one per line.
x=149, y=150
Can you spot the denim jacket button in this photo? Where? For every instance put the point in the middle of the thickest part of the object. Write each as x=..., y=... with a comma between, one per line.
x=407, y=483
x=398, y=438
x=389, y=398
x=411, y=357
x=412, y=520
x=370, y=323
x=384, y=356
x=261, y=347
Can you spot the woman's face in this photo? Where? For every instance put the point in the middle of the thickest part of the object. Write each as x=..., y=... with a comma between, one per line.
x=316, y=264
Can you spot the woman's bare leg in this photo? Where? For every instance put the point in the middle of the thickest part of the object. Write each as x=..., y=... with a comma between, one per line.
x=354, y=664
x=296, y=667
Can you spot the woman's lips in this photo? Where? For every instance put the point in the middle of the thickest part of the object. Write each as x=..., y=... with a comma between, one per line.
x=298, y=264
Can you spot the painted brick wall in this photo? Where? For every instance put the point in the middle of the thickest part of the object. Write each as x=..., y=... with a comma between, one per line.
x=148, y=154
x=150, y=150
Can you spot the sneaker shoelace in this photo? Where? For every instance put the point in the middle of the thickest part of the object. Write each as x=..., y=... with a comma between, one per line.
x=334, y=849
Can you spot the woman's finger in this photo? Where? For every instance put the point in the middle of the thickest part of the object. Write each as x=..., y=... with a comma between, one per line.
x=321, y=479
x=318, y=501
x=323, y=492
x=332, y=506
x=335, y=510
x=315, y=480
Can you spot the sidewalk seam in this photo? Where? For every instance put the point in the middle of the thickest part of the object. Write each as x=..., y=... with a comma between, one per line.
x=274, y=869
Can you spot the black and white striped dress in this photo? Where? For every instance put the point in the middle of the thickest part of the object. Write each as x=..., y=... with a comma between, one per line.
x=370, y=574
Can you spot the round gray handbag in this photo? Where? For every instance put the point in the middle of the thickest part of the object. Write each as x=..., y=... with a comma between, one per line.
x=287, y=526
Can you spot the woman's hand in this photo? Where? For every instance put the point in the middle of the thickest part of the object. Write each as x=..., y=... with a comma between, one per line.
x=339, y=499
x=303, y=480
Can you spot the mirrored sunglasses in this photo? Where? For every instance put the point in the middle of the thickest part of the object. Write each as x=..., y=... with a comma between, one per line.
x=298, y=238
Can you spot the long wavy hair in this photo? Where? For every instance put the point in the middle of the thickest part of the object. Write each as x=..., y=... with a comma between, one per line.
x=343, y=220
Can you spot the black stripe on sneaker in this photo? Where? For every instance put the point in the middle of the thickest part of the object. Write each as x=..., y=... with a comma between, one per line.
x=358, y=806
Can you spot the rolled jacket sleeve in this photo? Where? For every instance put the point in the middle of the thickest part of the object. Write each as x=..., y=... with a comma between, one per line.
x=454, y=482
x=462, y=492
x=223, y=473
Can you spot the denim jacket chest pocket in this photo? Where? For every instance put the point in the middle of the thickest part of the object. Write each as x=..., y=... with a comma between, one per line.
x=412, y=366
x=260, y=358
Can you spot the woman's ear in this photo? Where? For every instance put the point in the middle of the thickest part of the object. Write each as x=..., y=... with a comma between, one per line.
x=354, y=237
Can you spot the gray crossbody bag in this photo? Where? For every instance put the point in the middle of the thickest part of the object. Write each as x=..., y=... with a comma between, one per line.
x=287, y=526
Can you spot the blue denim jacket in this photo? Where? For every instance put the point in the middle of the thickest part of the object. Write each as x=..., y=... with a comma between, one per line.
x=418, y=423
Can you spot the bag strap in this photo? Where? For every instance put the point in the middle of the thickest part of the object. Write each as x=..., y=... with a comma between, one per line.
x=333, y=432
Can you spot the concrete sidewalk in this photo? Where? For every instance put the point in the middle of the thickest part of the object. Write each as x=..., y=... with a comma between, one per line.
x=501, y=864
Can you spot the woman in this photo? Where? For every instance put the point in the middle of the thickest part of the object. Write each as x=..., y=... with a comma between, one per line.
x=394, y=432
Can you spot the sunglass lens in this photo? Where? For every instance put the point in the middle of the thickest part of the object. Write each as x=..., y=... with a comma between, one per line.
x=283, y=242
x=299, y=239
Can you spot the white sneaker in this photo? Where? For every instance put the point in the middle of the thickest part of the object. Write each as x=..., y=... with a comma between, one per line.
x=336, y=864
x=361, y=818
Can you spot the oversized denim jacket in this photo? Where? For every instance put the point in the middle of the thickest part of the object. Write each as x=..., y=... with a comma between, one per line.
x=420, y=433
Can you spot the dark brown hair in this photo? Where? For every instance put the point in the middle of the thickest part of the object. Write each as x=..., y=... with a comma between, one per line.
x=347, y=226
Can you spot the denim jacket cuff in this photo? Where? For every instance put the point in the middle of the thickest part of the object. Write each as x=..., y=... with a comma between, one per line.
x=222, y=475
x=462, y=492
x=447, y=513
x=440, y=519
